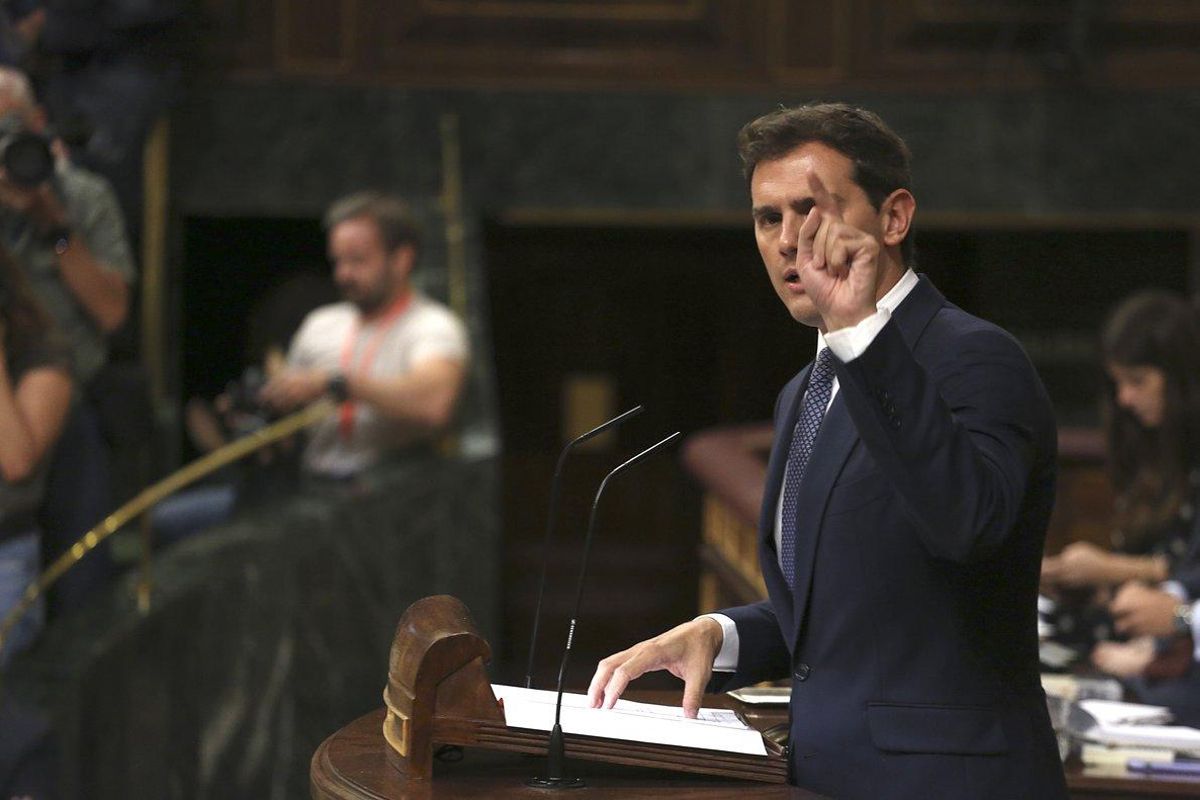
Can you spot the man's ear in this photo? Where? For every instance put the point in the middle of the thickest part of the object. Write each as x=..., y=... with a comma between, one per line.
x=402, y=260
x=897, y=214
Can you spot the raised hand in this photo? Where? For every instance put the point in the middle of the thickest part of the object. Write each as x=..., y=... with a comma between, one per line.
x=838, y=263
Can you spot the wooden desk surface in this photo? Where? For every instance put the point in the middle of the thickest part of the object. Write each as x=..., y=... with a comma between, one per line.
x=353, y=764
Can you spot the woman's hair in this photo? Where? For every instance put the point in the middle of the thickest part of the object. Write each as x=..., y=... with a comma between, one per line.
x=1150, y=467
x=26, y=323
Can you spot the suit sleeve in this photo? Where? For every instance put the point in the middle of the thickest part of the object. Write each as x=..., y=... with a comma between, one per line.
x=762, y=655
x=958, y=444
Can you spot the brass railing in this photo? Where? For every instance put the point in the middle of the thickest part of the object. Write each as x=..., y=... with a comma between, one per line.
x=154, y=494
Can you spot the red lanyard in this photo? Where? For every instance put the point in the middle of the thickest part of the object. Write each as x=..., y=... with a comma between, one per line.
x=384, y=327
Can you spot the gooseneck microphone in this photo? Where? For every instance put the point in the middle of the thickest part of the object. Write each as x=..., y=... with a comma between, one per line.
x=552, y=515
x=555, y=756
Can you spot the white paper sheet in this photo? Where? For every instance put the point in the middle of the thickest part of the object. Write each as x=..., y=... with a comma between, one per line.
x=1173, y=737
x=714, y=729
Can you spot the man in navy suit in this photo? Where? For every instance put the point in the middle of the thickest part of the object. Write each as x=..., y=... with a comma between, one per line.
x=907, y=496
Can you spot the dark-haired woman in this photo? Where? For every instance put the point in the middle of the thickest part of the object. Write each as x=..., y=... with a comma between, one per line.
x=1151, y=351
x=35, y=395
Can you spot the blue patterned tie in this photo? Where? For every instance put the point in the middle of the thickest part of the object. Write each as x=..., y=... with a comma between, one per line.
x=816, y=398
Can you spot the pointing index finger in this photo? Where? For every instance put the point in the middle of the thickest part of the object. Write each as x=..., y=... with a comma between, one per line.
x=822, y=199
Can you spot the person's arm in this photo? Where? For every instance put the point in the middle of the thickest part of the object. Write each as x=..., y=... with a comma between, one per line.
x=1140, y=610
x=31, y=416
x=101, y=290
x=424, y=397
x=690, y=652
x=1085, y=564
x=1124, y=659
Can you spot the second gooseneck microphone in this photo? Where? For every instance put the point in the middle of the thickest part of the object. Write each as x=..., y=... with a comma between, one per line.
x=555, y=756
x=552, y=516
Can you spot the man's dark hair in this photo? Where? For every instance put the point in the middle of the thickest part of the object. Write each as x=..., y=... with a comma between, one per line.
x=389, y=213
x=880, y=157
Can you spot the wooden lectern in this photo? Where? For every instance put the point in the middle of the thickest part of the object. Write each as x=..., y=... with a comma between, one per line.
x=438, y=693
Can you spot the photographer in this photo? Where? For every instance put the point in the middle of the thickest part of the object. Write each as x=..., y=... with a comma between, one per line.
x=65, y=231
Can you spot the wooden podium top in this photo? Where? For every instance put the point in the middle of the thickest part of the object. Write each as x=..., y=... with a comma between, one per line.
x=353, y=765
x=438, y=692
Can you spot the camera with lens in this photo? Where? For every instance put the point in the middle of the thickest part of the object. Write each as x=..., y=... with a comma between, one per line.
x=25, y=155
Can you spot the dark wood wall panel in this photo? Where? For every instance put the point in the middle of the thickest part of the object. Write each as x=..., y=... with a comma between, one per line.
x=1026, y=43
x=241, y=33
x=810, y=42
x=751, y=44
x=317, y=38
x=568, y=44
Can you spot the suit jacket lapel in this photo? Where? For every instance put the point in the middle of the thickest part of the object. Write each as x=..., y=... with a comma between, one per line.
x=777, y=587
x=915, y=313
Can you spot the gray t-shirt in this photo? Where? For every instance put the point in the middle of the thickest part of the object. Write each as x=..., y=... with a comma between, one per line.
x=94, y=216
x=332, y=338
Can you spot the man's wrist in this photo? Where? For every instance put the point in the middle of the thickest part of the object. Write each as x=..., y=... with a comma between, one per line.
x=337, y=386
x=713, y=630
x=1159, y=569
x=59, y=238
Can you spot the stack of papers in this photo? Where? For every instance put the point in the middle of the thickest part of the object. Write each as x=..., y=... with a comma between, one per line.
x=714, y=729
x=1113, y=712
x=1132, y=725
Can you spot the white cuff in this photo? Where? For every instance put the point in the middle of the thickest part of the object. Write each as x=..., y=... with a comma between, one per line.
x=850, y=343
x=1196, y=630
x=1175, y=588
x=727, y=656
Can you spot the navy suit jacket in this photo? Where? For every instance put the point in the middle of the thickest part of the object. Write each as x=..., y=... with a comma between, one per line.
x=911, y=632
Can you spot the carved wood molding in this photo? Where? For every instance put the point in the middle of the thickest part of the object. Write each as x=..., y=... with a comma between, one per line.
x=588, y=43
x=1027, y=43
x=820, y=46
x=316, y=38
